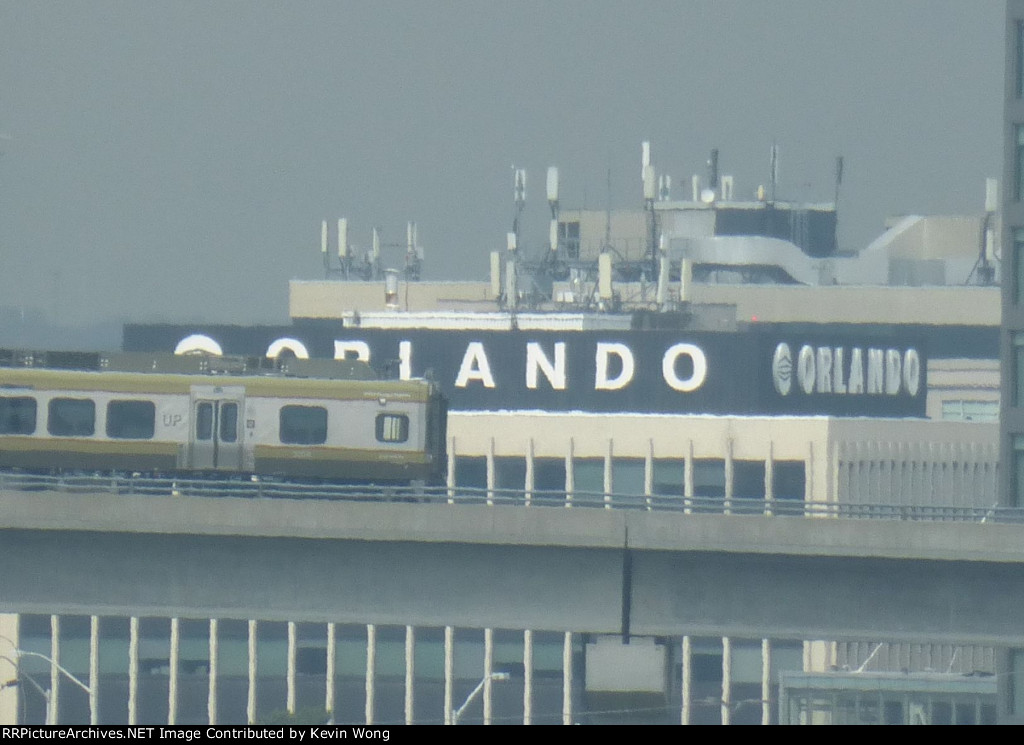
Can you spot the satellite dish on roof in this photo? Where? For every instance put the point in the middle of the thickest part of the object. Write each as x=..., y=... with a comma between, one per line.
x=707, y=196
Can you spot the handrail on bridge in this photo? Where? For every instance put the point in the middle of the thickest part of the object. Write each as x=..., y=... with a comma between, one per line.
x=260, y=488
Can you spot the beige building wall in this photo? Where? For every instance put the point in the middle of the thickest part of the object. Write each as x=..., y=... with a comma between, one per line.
x=859, y=461
x=972, y=306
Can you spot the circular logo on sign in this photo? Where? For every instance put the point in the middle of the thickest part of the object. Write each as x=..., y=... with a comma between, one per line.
x=782, y=369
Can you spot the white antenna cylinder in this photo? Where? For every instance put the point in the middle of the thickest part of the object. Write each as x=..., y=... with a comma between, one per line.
x=495, y=273
x=685, y=279
x=343, y=237
x=727, y=188
x=664, y=266
x=323, y=237
x=662, y=243
x=408, y=237
x=695, y=183
x=519, y=187
x=774, y=175
x=991, y=195
x=553, y=235
x=552, y=183
x=510, y=241
x=650, y=181
x=645, y=156
x=604, y=276
x=415, y=237
x=375, y=251
x=391, y=288
x=511, y=291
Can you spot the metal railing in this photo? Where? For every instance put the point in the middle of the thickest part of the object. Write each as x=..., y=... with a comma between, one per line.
x=262, y=488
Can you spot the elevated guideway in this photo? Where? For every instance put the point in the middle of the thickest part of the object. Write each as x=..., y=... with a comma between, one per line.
x=637, y=570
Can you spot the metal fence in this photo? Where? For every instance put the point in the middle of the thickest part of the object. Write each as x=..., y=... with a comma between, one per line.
x=262, y=488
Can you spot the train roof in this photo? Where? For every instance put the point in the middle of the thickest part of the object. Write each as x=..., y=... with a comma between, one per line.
x=141, y=373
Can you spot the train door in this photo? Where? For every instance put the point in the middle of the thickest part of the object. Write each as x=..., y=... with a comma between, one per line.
x=217, y=435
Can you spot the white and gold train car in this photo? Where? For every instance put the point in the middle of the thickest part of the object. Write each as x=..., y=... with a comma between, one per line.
x=164, y=414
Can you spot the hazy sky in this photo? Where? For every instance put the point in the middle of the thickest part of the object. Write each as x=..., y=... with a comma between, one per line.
x=174, y=160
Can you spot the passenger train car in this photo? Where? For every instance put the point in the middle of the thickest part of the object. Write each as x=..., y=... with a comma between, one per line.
x=167, y=414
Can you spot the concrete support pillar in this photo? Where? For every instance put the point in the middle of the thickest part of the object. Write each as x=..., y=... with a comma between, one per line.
x=10, y=696
x=250, y=703
x=490, y=471
x=451, y=470
x=688, y=479
x=449, y=672
x=686, y=684
x=609, y=480
x=211, y=692
x=133, y=671
x=529, y=485
x=290, y=670
x=730, y=478
x=528, y=677
x=567, y=683
x=410, y=673
x=172, y=672
x=488, y=672
x=332, y=653
x=649, y=472
x=55, y=675
x=766, y=682
x=371, y=669
x=726, y=680
x=570, y=477
x=94, y=670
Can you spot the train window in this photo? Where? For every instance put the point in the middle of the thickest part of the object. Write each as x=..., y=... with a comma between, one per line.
x=72, y=417
x=392, y=428
x=131, y=420
x=17, y=415
x=303, y=425
x=204, y=421
x=229, y=422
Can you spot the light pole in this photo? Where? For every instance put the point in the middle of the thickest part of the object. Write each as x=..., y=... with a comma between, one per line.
x=476, y=692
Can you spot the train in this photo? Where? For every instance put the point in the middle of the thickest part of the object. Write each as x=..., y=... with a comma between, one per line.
x=321, y=421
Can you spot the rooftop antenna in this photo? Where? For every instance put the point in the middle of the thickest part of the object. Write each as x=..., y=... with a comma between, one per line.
x=650, y=194
x=608, y=213
x=323, y=249
x=984, y=266
x=774, y=175
x=839, y=179
x=518, y=197
x=552, y=189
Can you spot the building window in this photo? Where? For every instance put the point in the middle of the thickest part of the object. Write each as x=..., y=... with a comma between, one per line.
x=628, y=475
x=569, y=238
x=17, y=415
x=392, y=428
x=588, y=476
x=72, y=417
x=1015, y=682
x=669, y=477
x=471, y=472
x=229, y=422
x=970, y=411
x=510, y=475
x=549, y=479
x=1017, y=487
x=1017, y=266
x=1017, y=379
x=303, y=425
x=1018, y=162
x=1019, y=87
x=131, y=420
